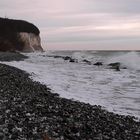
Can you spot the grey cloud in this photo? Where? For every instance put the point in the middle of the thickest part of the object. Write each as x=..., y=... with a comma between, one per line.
x=114, y=6
x=47, y=14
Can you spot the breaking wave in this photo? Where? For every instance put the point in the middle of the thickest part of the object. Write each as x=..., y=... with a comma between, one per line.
x=131, y=60
x=118, y=92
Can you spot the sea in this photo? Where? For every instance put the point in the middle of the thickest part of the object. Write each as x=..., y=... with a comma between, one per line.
x=115, y=91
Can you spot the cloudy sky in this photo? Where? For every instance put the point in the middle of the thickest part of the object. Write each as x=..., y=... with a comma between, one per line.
x=80, y=24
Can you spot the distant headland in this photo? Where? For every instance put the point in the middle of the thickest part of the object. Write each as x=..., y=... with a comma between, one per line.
x=19, y=35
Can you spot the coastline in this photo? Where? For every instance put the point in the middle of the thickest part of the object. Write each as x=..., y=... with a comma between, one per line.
x=31, y=111
x=12, y=56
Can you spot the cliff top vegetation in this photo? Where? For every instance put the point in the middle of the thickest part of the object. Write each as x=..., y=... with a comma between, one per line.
x=12, y=25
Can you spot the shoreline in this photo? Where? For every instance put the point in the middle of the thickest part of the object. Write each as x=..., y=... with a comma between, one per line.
x=32, y=111
x=12, y=56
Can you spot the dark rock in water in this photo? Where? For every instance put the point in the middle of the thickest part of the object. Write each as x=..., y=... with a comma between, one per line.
x=98, y=64
x=56, y=56
x=114, y=64
x=72, y=60
x=117, y=68
x=67, y=58
x=87, y=61
x=123, y=67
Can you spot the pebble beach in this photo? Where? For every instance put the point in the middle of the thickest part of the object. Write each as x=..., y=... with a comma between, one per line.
x=29, y=111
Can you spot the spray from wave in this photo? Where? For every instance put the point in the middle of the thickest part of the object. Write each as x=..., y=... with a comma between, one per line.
x=131, y=60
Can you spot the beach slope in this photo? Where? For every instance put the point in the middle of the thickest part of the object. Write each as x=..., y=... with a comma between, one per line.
x=28, y=110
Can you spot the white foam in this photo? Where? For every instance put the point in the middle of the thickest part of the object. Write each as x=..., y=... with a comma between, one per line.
x=89, y=55
x=131, y=60
x=116, y=91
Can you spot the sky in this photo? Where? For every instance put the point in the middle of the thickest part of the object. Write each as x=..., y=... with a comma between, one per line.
x=80, y=24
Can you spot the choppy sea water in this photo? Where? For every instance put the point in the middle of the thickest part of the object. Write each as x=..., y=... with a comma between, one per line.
x=116, y=91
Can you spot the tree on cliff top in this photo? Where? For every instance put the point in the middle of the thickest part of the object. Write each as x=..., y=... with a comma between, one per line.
x=11, y=25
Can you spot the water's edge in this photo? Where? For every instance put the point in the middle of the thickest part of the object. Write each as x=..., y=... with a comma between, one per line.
x=88, y=83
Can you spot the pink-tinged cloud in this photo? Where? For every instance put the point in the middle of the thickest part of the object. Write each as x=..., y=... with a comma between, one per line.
x=100, y=22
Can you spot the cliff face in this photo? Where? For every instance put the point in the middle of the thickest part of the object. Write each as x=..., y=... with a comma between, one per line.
x=19, y=35
x=32, y=42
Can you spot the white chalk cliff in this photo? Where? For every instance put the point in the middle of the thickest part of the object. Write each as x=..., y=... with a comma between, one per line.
x=19, y=35
x=32, y=42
